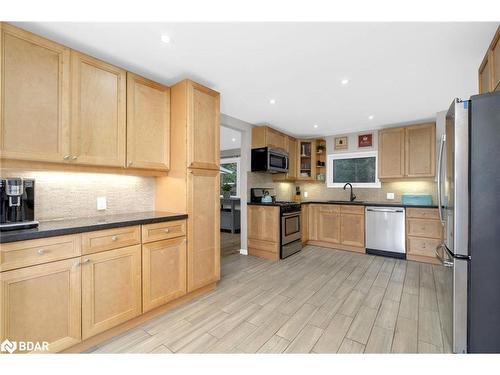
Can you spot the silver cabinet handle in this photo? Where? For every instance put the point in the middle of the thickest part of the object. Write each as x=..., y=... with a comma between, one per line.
x=66, y=157
x=41, y=251
x=86, y=261
x=114, y=238
x=129, y=163
x=74, y=157
x=166, y=230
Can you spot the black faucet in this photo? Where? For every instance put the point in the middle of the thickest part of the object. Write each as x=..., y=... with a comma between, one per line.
x=353, y=197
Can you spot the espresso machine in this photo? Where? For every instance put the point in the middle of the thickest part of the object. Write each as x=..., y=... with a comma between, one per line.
x=17, y=204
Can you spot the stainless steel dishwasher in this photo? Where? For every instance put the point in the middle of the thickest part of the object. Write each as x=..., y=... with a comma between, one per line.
x=385, y=231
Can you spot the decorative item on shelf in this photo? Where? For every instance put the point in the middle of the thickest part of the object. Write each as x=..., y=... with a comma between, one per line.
x=226, y=191
x=320, y=148
x=340, y=143
x=296, y=197
x=304, y=174
x=303, y=151
x=365, y=140
x=320, y=164
x=321, y=177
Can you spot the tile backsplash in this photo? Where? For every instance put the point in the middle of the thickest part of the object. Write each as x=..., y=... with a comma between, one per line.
x=71, y=194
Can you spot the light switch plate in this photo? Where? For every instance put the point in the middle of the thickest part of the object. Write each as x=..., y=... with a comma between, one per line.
x=390, y=195
x=101, y=203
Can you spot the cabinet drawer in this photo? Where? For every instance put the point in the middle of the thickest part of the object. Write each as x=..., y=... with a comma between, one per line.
x=424, y=228
x=352, y=209
x=329, y=208
x=28, y=253
x=423, y=213
x=94, y=242
x=423, y=246
x=163, y=231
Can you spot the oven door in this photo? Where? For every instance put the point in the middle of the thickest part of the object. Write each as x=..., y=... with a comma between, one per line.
x=277, y=161
x=290, y=227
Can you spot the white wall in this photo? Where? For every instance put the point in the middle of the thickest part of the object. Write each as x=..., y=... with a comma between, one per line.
x=245, y=129
x=352, y=143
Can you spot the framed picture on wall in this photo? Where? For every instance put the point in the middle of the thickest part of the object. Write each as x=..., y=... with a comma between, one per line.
x=340, y=143
x=365, y=140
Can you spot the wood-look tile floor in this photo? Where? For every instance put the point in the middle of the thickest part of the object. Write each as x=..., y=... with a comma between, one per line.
x=317, y=301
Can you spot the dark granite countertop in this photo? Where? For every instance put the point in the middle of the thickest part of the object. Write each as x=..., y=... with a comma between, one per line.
x=61, y=227
x=357, y=203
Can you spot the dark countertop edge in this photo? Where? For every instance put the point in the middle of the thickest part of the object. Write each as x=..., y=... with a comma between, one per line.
x=377, y=204
x=31, y=234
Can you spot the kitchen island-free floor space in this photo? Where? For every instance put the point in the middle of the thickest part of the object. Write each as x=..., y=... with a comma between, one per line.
x=317, y=301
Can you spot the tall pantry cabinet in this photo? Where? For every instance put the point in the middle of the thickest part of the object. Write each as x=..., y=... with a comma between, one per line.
x=192, y=185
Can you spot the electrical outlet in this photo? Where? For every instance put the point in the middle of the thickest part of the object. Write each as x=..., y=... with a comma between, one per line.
x=101, y=203
x=306, y=194
x=390, y=196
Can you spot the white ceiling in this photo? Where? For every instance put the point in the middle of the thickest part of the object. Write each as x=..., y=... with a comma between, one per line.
x=398, y=72
x=229, y=138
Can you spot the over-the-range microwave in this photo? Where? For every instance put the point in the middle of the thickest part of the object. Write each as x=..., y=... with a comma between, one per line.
x=271, y=160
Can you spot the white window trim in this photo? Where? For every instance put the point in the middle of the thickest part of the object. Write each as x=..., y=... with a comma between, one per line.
x=236, y=160
x=351, y=155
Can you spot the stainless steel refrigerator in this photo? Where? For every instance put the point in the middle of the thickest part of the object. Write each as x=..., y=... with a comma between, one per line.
x=469, y=208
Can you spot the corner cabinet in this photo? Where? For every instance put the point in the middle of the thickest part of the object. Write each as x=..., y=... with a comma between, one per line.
x=203, y=117
x=148, y=124
x=98, y=112
x=42, y=303
x=34, y=110
x=407, y=152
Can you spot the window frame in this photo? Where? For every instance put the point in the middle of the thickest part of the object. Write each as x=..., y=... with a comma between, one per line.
x=236, y=160
x=351, y=155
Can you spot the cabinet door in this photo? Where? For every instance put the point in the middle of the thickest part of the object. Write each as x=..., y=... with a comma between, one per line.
x=263, y=223
x=304, y=220
x=98, y=112
x=495, y=53
x=34, y=96
x=352, y=230
x=203, y=228
x=420, y=150
x=391, y=153
x=485, y=76
x=276, y=139
x=203, y=127
x=307, y=160
x=42, y=303
x=111, y=289
x=292, y=158
x=163, y=272
x=329, y=224
x=148, y=124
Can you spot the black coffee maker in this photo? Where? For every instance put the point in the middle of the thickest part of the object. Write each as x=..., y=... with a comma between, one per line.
x=17, y=204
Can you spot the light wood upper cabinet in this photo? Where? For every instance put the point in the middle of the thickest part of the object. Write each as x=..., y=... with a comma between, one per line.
x=42, y=303
x=34, y=108
x=264, y=136
x=98, y=112
x=203, y=126
x=111, y=289
x=485, y=76
x=391, y=153
x=407, y=152
x=292, y=148
x=306, y=159
x=148, y=124
x=203, y=228
x=489, y=70
x=328, y=223
x=495, y=54
x=163, y=272
x=420, y=150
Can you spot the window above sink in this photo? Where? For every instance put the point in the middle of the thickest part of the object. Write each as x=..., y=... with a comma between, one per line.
x=358, y=168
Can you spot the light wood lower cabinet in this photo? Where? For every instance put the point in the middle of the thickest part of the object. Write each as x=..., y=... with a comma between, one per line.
x=163, y=272
x=263, y=231
x=203, y=254
x=336, y=226
x=111, y=289
x=424, y=234
x=42, y=303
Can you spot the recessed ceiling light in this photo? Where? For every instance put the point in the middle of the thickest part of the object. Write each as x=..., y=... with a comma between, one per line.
x=315, y=126
x=370, y=117
x=345, y=81
x=272, y=101
x=234, y=139
x=165, y=39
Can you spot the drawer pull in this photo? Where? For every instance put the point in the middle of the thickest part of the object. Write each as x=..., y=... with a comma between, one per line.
x=114, y=238
x=41, y=251
x=85, y=261
x=166, y=230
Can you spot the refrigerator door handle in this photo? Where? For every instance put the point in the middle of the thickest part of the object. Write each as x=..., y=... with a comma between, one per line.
x=443, y=261
x=439, y=178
